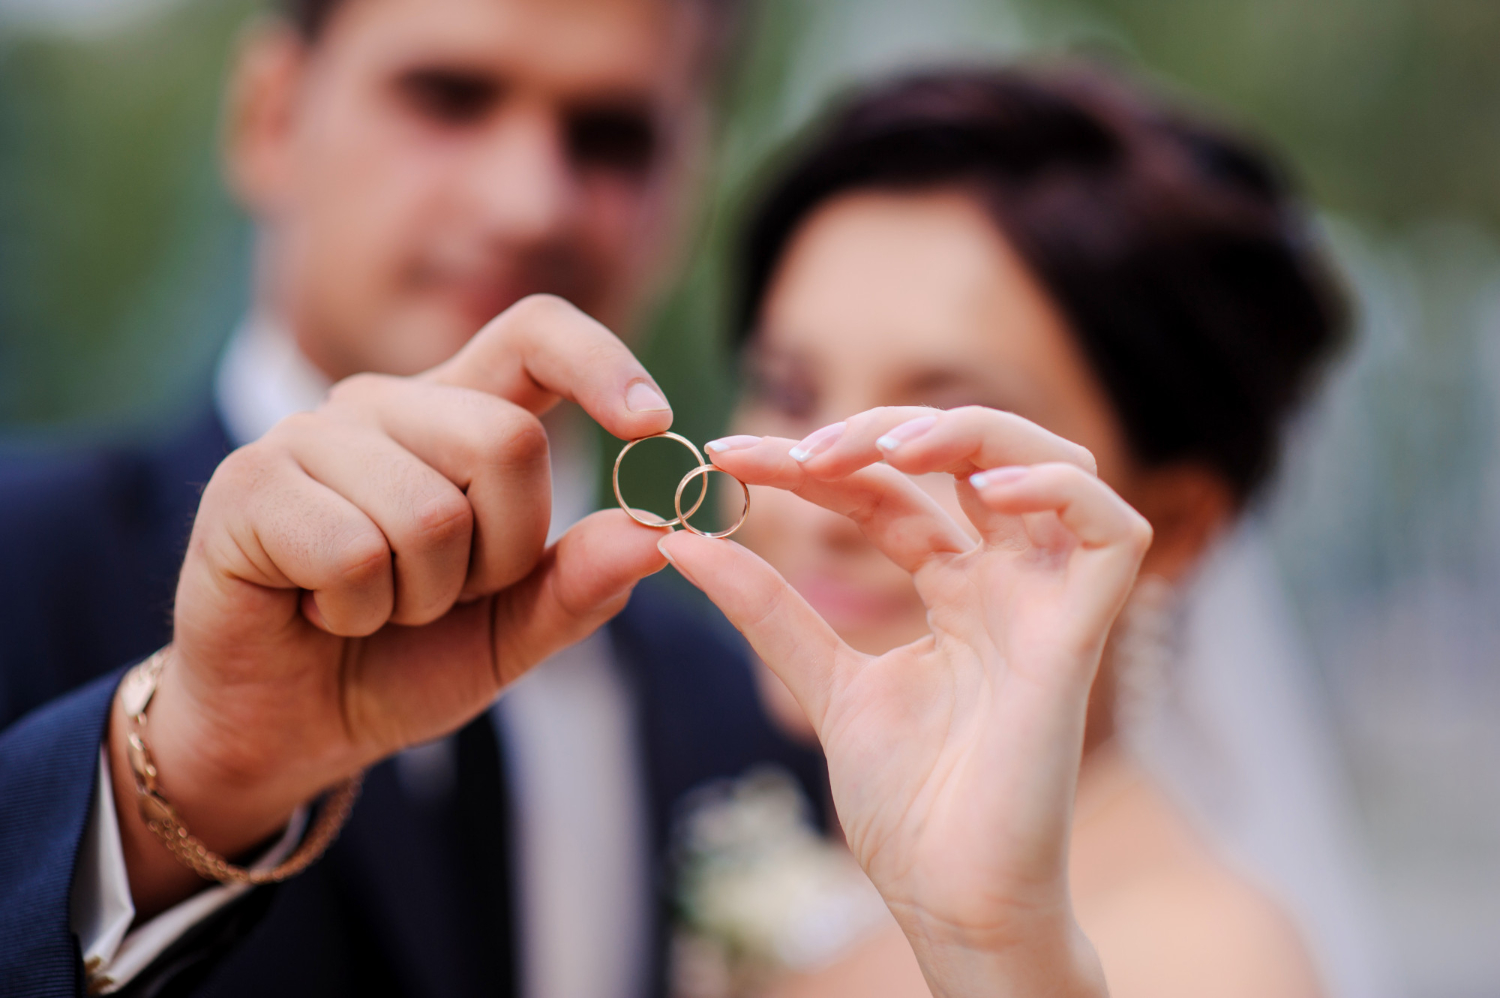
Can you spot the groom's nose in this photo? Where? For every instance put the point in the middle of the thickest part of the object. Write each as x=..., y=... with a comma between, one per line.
x=520, y=186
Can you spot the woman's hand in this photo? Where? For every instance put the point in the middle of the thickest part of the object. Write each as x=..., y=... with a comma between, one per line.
x=953, y=759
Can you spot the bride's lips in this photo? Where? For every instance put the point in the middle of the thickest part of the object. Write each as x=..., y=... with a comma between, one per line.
x=845, y=604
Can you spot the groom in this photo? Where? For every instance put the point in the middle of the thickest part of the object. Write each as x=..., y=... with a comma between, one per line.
x=413, y=168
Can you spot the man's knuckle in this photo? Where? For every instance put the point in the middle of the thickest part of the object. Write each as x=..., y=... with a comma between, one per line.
x=541, y=308
x=291, y=428
x=443, y=518
x=244, y=470
x=235, y=469
x=357, y=387
x=362, y=557
x=516, y=438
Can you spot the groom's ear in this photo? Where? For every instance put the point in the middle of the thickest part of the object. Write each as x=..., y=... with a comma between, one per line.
x=260, y=114
x=1188, y=505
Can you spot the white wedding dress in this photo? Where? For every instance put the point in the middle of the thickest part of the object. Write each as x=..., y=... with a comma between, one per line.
x=1238, y=735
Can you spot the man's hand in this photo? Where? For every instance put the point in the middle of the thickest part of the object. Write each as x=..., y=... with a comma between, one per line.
x=370, y=575
x=953, y=759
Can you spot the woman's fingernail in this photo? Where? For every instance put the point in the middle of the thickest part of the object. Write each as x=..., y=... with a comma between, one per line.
x=818, y=442
x=906, y=432
x=661, y=546
x=641, y=397
x=997, y=476
x=725, y=444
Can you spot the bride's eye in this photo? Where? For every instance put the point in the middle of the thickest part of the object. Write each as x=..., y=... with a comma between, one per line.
x=958, y=395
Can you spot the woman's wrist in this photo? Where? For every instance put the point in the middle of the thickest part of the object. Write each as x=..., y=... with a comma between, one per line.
x=1056, y=963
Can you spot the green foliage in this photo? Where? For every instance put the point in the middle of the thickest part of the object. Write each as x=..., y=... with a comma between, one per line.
x=1391, y=108
x=121, y=261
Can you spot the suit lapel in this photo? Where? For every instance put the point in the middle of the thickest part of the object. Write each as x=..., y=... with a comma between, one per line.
x=430, y=874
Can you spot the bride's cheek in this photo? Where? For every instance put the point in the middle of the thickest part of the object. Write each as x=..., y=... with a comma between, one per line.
x=764, y=527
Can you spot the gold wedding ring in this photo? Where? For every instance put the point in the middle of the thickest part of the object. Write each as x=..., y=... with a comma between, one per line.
x=704, y=469
x=682, y=516
x=620, y=498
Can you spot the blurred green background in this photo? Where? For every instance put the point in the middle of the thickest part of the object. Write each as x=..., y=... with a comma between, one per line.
x=123, y=267
x=119, y=248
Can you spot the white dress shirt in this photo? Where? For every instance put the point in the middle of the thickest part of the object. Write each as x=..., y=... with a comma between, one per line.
x=580, y=842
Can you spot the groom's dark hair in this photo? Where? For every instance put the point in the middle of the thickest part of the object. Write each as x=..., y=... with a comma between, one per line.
x=1179, y=256
x=310, y=17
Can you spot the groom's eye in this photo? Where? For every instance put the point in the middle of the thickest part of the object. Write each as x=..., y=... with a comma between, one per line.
x=449, y=97
x=620, y=140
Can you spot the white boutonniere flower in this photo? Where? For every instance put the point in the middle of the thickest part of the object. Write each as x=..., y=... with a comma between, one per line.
x=760, y=892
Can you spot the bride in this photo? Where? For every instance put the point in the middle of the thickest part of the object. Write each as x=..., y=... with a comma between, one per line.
x=1001, y=245
x=952, y=758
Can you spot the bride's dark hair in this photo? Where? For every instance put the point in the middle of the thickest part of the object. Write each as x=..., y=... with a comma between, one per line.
x=1175, y=250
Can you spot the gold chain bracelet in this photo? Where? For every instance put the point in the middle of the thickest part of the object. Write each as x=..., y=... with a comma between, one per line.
x=136, y=691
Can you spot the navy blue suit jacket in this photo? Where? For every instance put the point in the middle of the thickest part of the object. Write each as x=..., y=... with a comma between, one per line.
x=415, y=898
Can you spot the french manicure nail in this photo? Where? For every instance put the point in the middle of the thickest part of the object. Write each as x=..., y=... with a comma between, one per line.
x=641, y=397
x=997, y=476
x=661, y=546
x=726, y=444
x=906, y=432
x=818, y=442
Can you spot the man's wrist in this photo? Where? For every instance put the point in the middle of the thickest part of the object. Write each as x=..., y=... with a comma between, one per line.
x=229, y=820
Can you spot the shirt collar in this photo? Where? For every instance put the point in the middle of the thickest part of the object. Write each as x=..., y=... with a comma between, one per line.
x=264, y=378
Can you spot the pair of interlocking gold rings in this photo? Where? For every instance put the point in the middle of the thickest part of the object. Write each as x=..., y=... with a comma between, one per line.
x=683, y=517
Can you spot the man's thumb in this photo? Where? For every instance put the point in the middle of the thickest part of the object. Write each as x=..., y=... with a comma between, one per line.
x=580, y=583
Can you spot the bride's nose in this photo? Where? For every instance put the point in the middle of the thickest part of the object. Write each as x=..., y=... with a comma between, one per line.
x=834, y=532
